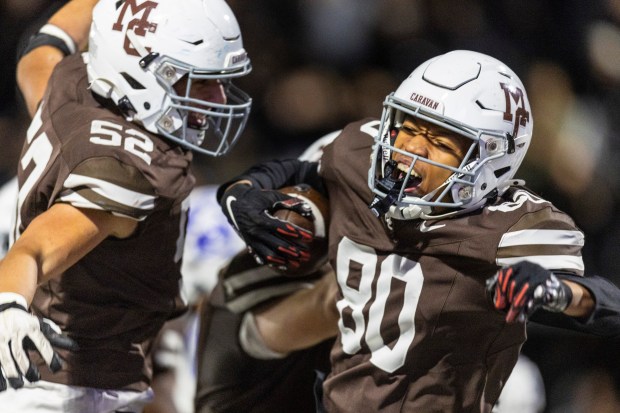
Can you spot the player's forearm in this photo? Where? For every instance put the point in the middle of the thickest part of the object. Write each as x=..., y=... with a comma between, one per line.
x=300, y=320
x=54, y=241
x=75, y=18
x=33, y=72
x=594, y=308
x=39, y=254
x=582, y=303
x=35, y=67
x=18, y=274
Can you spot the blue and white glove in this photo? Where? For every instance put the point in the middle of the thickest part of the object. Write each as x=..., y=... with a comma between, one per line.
x=21, y=331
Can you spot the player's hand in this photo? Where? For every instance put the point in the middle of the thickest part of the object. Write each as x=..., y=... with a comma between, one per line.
x=270, y=240
x=21, y=331
x=525, y=287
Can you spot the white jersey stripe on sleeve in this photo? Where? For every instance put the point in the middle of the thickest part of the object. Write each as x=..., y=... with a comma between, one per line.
x=550, y=262
x=542, y=237
x=77, y=200
x=111, y=191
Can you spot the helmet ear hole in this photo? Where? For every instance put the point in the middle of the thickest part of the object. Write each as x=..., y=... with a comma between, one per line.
x=132, y=81
x=501, y=171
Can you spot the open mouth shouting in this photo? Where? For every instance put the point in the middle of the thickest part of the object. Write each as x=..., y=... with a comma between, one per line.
x=400, y=174
x=197, y=121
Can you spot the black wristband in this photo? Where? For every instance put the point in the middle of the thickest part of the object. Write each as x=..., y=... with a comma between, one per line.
x=44, y=39
x=13, y=304
x=51, y=35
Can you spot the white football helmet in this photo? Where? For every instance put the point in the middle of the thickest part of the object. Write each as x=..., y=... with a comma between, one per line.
x=469, y=93
x=139, y=50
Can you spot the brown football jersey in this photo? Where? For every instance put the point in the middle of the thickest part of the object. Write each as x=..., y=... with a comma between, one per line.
x=417, y=331
x=114, y=300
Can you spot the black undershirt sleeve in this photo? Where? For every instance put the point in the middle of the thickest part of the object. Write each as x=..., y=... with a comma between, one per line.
x=278, y=174
x=604, y=320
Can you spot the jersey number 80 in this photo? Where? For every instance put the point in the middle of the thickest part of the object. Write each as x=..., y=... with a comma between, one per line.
x=408, y=272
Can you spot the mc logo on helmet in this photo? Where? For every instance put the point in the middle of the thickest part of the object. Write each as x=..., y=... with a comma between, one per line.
x=139, y=26
x=521, y=116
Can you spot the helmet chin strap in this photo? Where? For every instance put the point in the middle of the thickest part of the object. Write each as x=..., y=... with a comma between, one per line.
x=425, y=212
x=416, y=211
x=107, y=90
x=408, y=212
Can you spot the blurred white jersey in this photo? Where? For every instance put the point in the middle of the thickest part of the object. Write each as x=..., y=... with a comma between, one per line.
x=524, y=391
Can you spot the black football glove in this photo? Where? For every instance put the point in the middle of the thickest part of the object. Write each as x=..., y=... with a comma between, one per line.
x=21, y=331
x=525, y=287
x=270, y=240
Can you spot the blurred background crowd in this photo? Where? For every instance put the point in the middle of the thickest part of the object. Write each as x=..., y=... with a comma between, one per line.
x=319, y=64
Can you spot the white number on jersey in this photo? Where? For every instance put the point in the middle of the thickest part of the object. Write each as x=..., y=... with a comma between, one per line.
x=133, y=141
x=387, y=358
x=39, y=153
